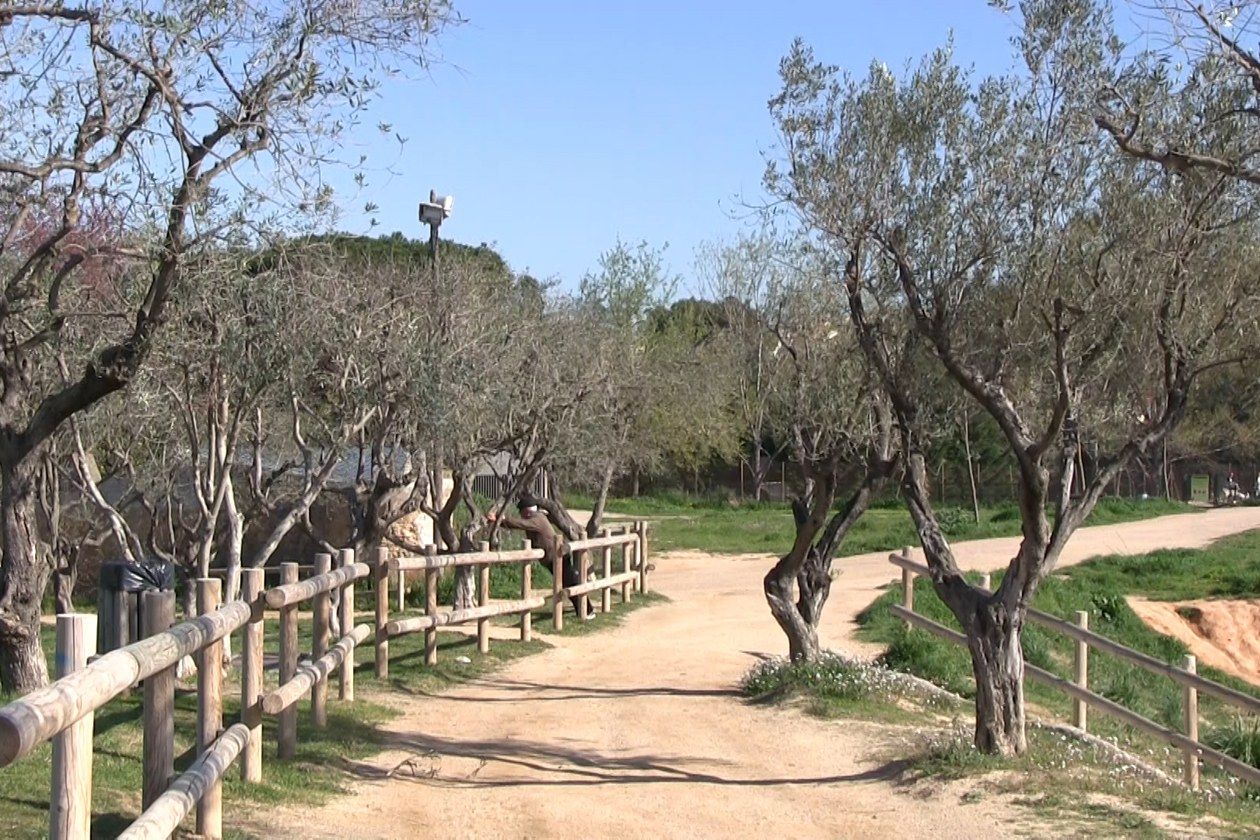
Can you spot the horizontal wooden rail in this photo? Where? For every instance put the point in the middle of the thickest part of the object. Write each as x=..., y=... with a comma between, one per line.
x=596, y=585
x=29, y=721
x=1097, y=701
x=403, y=626
x=312, y=673
x=166, y=813
x=1222, y=692
x=168, y=799
x=467, y=558
x=304, y=590
x=600, y=542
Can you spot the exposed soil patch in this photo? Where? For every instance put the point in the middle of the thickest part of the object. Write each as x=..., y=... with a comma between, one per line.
x=1222, y=633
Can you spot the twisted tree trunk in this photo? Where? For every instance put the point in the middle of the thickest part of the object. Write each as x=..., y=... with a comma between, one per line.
x=798, y=586
x=997, y=662
x=601, y=502
x=24, y=575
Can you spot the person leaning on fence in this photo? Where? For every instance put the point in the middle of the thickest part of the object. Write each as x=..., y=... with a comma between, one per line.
x=538, y=529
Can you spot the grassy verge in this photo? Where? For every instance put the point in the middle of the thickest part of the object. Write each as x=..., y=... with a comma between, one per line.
x=836, y=686
x=1078, y=786
x=1230, y=567
x=325, y=760
x=1082, y=789
x=766, y=528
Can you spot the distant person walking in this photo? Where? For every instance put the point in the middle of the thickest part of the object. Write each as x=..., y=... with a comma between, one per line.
x=537, y=527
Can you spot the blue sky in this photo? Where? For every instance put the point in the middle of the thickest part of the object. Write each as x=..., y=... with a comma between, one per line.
x=561, y=126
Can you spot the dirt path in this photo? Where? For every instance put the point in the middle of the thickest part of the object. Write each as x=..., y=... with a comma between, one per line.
x=638, y=732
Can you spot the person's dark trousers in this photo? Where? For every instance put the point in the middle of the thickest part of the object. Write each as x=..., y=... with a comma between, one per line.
x=572, y=577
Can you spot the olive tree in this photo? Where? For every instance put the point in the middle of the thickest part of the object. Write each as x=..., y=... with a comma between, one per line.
x=818, y=398
x=739, y=274
x=144, y=108
x=1188, y=100
x=1070, y=292
x=634, y=351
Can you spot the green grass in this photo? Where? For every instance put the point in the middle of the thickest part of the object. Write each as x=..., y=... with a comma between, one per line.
x=766, y=528
x=835, y=686
x=1229, y=567
x=1082, y=790
x=1056, y=778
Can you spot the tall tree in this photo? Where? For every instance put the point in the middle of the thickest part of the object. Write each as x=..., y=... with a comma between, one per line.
x=1067, y=290
x=144, y=107
x=818, y=398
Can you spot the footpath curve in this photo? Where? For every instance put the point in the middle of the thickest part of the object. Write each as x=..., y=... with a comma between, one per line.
x=638, y=731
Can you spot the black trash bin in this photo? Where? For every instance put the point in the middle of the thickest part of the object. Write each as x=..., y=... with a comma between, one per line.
x=118, y=600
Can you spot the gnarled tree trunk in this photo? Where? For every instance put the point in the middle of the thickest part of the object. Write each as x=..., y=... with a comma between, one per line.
x=798, y=586
x=997, y=662
x=779, y=586
x=601, y=502
x=813, y=586
x=465, y=576
x=23, y=577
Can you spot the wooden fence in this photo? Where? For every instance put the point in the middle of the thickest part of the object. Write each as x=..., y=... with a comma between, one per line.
x=1078, y=688
x=64, y=711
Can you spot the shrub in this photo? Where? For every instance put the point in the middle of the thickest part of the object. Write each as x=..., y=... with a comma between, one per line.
x=1239, y=738
x=832, y=677
x=1005, y=512
x=954, y=520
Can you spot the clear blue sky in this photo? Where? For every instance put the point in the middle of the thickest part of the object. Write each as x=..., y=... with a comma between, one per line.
x=561, y=126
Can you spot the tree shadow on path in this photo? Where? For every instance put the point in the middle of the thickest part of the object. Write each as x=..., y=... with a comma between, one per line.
x=512, y=691
x=557, y=765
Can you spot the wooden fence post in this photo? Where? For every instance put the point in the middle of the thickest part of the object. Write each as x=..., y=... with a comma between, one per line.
x=321, y=619
x=628, y=550
x=287, y=745
x=210, y=709
x=907, y=586
x=627, y=560
x=584, y=600
x=380, y=583
x=345, y=689
x=70, y=807
x=1079, y=707
x=605, y=597
x=483, y=600
x=402, y=590
x=252, y=675
x=641, y=527
x=1190, y=710
x=527, y=587
x=430, y=607
x=557, y=583
x=158, y=614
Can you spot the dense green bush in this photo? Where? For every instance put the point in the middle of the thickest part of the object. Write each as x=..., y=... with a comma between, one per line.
x=1238, y=737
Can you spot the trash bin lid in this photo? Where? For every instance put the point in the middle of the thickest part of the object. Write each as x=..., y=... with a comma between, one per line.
x=147, y=575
